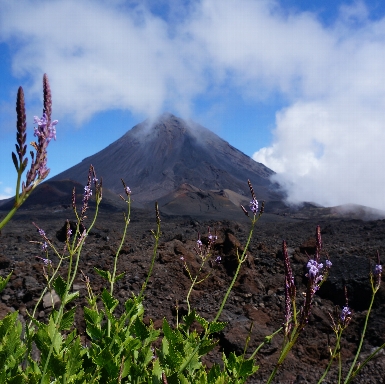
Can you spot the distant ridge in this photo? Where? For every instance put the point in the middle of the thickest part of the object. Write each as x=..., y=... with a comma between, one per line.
x=156, y=159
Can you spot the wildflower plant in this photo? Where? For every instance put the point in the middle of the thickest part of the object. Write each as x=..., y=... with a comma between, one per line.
x=45, y=131
x=120, y=346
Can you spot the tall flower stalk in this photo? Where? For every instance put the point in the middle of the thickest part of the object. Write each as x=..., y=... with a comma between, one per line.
x=45, y=132
x=294, y=322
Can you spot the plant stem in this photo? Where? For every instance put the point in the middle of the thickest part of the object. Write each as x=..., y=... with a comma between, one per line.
x=241, y=260
x=70, y=280
x=334, y=354
x=154, y=253
x=19, y=200
x=348, y=377
x=126, y=223
x=267, y=340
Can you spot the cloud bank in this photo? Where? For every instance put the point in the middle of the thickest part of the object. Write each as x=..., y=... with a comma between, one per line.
x=328, y=138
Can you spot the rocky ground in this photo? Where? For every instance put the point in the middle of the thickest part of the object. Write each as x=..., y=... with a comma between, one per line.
x=258, y=296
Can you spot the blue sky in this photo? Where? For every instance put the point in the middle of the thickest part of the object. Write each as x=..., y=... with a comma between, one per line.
x=297, y=85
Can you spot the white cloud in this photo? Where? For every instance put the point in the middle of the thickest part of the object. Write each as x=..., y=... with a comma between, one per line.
x=328, y=140
x=99, y=57
x=6, y=193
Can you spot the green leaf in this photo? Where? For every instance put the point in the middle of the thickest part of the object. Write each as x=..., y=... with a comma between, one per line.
x=117, y=278
x=91, y=316
x=134, y=308
x=109, y=301
x=104, y=274
x=4, y=282
x=173, y=337
x=216, y=326
x=141, y=330
x=60, y=287
x=67, y=320
x=156, y=372
x=247, y=368
x=203, y=322
x=189, y=319
x=71, y=296
x=94, y=332
x=214, y=374
x=206, y=347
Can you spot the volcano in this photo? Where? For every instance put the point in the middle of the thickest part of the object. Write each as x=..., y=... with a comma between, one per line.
x=156, y=159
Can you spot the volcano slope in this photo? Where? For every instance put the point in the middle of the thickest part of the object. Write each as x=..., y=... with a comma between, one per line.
x=156, y=159
x=258, y=295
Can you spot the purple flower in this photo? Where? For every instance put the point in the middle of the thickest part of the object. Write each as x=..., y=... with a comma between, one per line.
x=377, y=269
x=41, y=232
x=199, y=243
x=218, y=259
x=87, y=191
x=47, y=262
x=345, y=314
x=40, y=122
x=254, y=206
x=127, y=190
x=44, y=246
x=314, y=273
x=328, y=263
x=44, y=131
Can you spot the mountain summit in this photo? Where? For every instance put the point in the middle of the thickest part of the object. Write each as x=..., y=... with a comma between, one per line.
x=157, y=159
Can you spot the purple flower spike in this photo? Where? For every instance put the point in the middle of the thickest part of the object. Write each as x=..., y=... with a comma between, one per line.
x=345, y=314
x=44, y=130
x=254, y=206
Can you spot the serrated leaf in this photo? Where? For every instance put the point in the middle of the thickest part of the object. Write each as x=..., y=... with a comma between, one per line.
x=247, y=368
x=68, y=319
x=216, y=326
x=214, y=374
x=71, y=296
x=141, y=330
x=189, y=319
x=91, y=316
x=4, y=282
x=70, y=338
x=7, y=322
x=156, y=372
x=109, y=301
x=94, y=332
x=105, y=274
x=207, y=346
x=173, y=337
x=203, y=322
x=134, y=308
x=119, y=277
x=60, y=286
